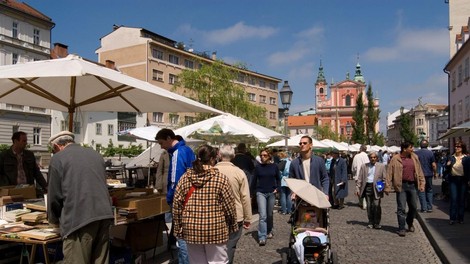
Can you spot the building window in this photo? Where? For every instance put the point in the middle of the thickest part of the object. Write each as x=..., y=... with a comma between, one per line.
x=188, y=120
x=189, y=64
x=174, y=59
x=467, y=69
x=272, y=100
x=460, y=75
x=123, y=125
x=262, y=99
x=348, y=100
x=64, y=125
x=172, y=79
x=272, y=115
x=454, y=114
x=157, y=75
x=37, y=136
x=157, y=117
x=252, y=97
x=174, y=119
x=453, y=85
x=99, y=130
x=459, y=111
x=252, y=81
x=110, y=129
x=241, y=78
x=14, y=30
x=36, y=33
x=14, y=58
x=321, y=90
x=262, y=83
x=272, y=86
x=157, y=54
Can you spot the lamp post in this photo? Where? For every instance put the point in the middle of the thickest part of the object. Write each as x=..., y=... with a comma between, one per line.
x=286, y=98
x=370, y=137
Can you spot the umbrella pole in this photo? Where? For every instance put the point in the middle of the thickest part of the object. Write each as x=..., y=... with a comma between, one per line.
x=71, y=112
x=150, y=160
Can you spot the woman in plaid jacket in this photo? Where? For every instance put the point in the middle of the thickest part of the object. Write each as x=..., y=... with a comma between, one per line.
x=204, y=210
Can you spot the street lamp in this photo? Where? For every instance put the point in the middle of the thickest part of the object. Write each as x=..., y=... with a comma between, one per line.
x=286, y=98
x=371, y=133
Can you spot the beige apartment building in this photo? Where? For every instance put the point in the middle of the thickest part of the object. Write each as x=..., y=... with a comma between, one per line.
x=158, y=60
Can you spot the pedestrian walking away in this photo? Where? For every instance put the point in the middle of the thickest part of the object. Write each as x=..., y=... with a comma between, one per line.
x=429, y=167
x=241, y=193
x=358, y=160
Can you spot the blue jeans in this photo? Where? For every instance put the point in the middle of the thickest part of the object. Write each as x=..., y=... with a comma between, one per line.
x=408, y=195
x=232, y=242
x=425, y=198
x=286, y=202
x=265, y=209
x=458, y=190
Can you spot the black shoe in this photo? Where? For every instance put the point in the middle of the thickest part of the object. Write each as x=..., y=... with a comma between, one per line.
x=451, y=222
x=377, y=227
x=401, y=233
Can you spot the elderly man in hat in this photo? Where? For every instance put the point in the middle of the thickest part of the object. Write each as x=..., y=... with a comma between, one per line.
x=78, y=200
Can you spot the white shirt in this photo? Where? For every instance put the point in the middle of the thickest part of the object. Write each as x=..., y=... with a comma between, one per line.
x=306, y=166
x=359, y=159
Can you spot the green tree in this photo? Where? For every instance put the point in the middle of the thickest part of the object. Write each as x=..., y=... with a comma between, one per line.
x=372, y=116
x=358, y=122
x=325, y=132
x=406, y=131
x=213, y=84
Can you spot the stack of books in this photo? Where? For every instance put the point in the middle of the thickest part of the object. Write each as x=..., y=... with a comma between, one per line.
x=15, y=215
x=34, y=217
x=124, y=215
x=37, y=205
x=39, y=234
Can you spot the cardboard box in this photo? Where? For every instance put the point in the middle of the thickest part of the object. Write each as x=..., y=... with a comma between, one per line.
x=145, y=235
x=28, y=192
x=120, y=193
x=146, y=206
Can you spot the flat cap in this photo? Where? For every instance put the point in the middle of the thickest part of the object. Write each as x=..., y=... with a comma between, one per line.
x=334, y=151
x=61, y=134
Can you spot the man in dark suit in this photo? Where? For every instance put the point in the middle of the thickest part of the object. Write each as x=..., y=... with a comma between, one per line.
x=338, y=180
x=309, y=167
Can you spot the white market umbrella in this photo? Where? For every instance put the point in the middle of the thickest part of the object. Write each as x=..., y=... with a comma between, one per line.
x=308, y=193
x=227, y=126
x=334, y=144
x=439, y=148
x=294, y=142
x=73, y=84
x=457, y=131
x=146, y=133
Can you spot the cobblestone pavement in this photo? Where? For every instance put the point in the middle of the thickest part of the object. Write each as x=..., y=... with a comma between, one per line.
x=350, y=238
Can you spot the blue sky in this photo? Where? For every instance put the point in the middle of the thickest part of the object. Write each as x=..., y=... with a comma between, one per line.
x=402, y=45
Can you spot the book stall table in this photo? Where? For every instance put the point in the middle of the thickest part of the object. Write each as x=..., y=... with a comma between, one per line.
x=33, y=243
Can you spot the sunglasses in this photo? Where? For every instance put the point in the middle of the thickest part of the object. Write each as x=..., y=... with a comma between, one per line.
x=303, y=143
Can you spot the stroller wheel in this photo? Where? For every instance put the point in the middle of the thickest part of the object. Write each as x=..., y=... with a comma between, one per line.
x=333, y=257
x=284, y=258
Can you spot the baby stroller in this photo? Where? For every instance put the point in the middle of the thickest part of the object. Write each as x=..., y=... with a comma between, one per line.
x=309, y=239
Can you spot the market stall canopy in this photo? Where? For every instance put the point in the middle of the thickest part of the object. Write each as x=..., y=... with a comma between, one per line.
x=72, y=84
x=457, y=131
x=145, y=133
x=308, y=193
x=294, y=142
x=227, y=128
x=439, y=148
x=334, y=144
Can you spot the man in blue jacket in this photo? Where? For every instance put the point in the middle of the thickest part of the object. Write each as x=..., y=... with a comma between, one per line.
x=316, y=171
x=181, y=158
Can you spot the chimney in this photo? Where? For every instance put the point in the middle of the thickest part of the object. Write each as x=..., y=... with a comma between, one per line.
x=110, y=64
x=59, y=51
x=214, y=55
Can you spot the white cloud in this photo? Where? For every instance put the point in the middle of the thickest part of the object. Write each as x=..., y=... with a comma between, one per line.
x=307, y=41
x=237, y=32
x=411, y=45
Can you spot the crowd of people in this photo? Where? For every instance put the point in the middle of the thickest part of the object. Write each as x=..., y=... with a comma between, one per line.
x=212, y=193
